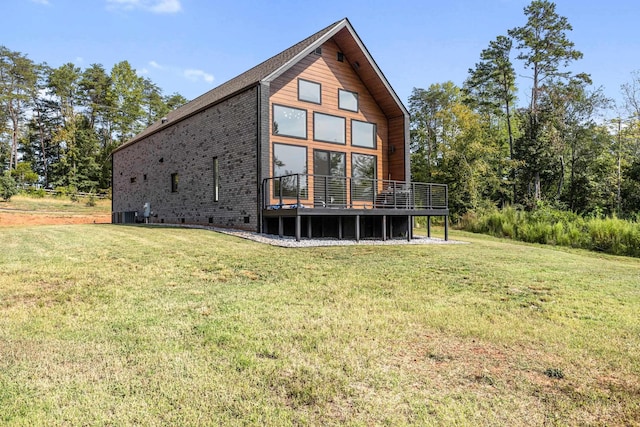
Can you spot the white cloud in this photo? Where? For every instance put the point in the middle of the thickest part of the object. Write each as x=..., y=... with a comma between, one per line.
x=79, y=59
x=154, y=64
x=155, y=6
x=45, y=2
x=166, y=6
x=196, y=75
x=143, y=71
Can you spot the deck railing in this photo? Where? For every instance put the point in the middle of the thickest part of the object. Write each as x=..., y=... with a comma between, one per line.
x=321, y=191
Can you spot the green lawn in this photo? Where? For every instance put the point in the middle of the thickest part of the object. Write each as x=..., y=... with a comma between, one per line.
x=122, y=325
x=56, y=204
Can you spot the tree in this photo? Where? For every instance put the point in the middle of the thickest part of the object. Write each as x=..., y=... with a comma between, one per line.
x=448, y=146
x=127, y=96
x=24, y=175
x=545, y=50
x=490, y=88
x=17, y=86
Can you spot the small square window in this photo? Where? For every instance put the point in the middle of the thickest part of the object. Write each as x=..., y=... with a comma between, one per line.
x=347, y=100
x=309, y=91
x=133, y=179
x=318, y=51
x=340, y=57
x=144, y=177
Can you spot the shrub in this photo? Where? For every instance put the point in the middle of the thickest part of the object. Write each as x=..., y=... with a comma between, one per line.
x=8, y=186
x=38, y=193
x=547, y=225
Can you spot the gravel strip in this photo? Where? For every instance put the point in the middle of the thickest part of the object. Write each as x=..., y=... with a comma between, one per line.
x=290, y=242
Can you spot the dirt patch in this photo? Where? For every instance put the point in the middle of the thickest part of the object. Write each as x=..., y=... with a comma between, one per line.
x=12, y=219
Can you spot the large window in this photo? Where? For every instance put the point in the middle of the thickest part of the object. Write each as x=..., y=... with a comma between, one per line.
x=309, y=91
x=363, y=172
x=288, y=121
x=347, y=100
x=329, y=128
x=288, y=162
x=363, y=134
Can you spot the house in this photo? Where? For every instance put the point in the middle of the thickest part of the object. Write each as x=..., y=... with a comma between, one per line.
x=312, y=142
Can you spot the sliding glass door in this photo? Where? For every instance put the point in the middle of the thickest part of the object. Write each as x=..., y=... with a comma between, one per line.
x=329, y=170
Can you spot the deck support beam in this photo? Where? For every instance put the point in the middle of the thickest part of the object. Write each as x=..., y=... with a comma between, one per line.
x=280, y=226
x=309, y=227
x=429, y=227
x=446, y=227
x=339, y=228
x=384, y=228
x=357, y=228
x=298, y=226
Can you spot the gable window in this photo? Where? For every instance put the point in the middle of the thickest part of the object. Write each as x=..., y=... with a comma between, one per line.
x=309, y=91
x=216, y=180
x=133, y=179
x=288, y=162
x=363, y=172
x=329, y=128
x=174, y=182
x=363, y=134
x=289, y=121
x=347, y=100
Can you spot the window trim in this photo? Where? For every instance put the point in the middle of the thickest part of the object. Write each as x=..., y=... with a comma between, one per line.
x=273, y=116
x=319, y=91
x=375, y=135
x=357, y=100
x=344, y=119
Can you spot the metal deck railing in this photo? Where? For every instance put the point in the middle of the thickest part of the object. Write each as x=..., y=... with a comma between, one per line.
x=321, y=191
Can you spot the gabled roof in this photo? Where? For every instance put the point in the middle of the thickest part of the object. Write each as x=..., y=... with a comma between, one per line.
x=343, y=34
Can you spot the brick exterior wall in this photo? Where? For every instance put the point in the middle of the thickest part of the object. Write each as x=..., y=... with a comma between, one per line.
x=227, y=130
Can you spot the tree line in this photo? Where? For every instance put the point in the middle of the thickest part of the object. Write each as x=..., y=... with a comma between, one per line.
x=58, y=126
x=557, y=150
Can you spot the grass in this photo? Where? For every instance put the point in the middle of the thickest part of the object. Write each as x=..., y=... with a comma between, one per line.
x=121, y=325
x=56, y=204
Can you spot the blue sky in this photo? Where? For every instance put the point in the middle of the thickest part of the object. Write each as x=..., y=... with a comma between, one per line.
x=191, y=46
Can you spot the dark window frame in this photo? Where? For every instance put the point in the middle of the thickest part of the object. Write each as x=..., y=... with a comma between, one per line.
x=344, y=119
x=304, y=191
x=357, y=186
x=357, y=100
x=273, y=121
x=319, y=92
x=375, y=135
